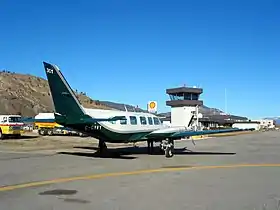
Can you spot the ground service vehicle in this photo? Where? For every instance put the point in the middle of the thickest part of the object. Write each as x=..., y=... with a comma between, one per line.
x=11, y=125
x=46, y=125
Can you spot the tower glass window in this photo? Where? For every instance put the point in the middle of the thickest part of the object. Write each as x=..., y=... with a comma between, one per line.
x=194, y=96
x=187, y=96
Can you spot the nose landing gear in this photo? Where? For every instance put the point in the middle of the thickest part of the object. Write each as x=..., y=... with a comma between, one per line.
x=168, y=147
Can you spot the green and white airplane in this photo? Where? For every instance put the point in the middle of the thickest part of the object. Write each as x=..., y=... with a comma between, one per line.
x=112, y=125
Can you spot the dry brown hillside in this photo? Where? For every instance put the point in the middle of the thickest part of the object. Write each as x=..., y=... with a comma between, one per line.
x=29, y=95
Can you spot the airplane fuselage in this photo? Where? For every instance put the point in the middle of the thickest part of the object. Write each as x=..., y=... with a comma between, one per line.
x=136, y=126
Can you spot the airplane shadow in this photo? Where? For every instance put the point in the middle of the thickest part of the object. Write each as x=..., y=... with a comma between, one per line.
x=125, y=152
x=108, y=154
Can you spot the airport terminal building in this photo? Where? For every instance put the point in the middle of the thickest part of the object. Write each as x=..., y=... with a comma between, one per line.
x=187, y=106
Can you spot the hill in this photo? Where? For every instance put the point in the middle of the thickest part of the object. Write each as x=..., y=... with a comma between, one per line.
x=122, y=107
x=28, y=95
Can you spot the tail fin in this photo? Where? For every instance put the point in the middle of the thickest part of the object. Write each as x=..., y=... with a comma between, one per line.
x=64, y=99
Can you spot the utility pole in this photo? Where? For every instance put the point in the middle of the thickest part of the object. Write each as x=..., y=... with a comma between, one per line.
x=197, y=121
x=225, y=100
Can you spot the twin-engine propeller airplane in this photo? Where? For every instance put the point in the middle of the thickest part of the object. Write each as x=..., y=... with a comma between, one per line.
x=112, y=125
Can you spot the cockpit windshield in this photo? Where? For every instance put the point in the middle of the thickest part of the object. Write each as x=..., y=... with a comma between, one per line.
x=14, y=119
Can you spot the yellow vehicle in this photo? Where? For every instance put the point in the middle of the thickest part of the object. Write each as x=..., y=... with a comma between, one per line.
x=11, y=125
x=46, y=125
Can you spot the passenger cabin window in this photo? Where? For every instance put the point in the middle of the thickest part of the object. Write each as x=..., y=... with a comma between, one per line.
x=143, y=120
x=156, y=121
x=150, y=120
x=123, y=121
x=133, y=120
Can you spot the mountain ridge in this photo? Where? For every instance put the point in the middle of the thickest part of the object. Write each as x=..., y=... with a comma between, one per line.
x=28, y=95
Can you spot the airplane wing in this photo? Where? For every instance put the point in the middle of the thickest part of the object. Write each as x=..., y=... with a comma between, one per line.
x=205, y=132
x=178, y=133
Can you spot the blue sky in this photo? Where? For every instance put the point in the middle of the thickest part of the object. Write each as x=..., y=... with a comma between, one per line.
x=131, y=51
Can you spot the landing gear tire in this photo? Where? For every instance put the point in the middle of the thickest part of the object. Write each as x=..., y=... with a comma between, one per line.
x=150, y=147
x=167, y=146
x=102, y=147
x=169, y=152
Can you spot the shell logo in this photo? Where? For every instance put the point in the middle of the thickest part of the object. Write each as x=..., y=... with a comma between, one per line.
x=152, y=105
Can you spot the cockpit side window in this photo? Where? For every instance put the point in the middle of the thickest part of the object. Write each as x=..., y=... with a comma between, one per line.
x=156, y=121
x=124, y=121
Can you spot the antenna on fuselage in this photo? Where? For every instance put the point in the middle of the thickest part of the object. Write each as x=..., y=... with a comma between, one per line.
x=125, y=108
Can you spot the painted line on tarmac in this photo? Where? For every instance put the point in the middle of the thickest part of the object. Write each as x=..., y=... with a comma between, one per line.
x=116, y=174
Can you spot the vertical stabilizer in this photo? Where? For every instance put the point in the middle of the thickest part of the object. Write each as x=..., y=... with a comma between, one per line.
x=64, y=99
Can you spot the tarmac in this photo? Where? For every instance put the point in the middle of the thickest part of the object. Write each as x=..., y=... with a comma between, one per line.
x=235, y=172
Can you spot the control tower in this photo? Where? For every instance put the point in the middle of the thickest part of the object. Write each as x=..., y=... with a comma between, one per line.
x=184, y=102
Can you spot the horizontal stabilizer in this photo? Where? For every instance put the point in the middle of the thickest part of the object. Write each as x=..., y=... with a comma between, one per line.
x=92, y=120
x=84, y=119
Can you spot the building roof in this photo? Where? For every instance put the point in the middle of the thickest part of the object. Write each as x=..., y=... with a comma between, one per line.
x=184, y=90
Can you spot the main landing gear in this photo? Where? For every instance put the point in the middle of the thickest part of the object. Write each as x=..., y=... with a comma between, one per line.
x=166, y=146
x=102, y=147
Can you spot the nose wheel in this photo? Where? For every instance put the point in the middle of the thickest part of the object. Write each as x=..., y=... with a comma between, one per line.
x=167, y=146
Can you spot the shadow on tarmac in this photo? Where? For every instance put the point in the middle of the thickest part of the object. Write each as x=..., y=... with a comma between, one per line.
x=126, y=152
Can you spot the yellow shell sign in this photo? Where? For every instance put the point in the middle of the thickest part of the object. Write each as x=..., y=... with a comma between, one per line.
x=152, y=105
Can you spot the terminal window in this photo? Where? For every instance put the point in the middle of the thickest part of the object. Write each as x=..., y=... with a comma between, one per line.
x=184, y=96
x=187, y=96
x=194, y=96
x=190, y=96
x=176, y=97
